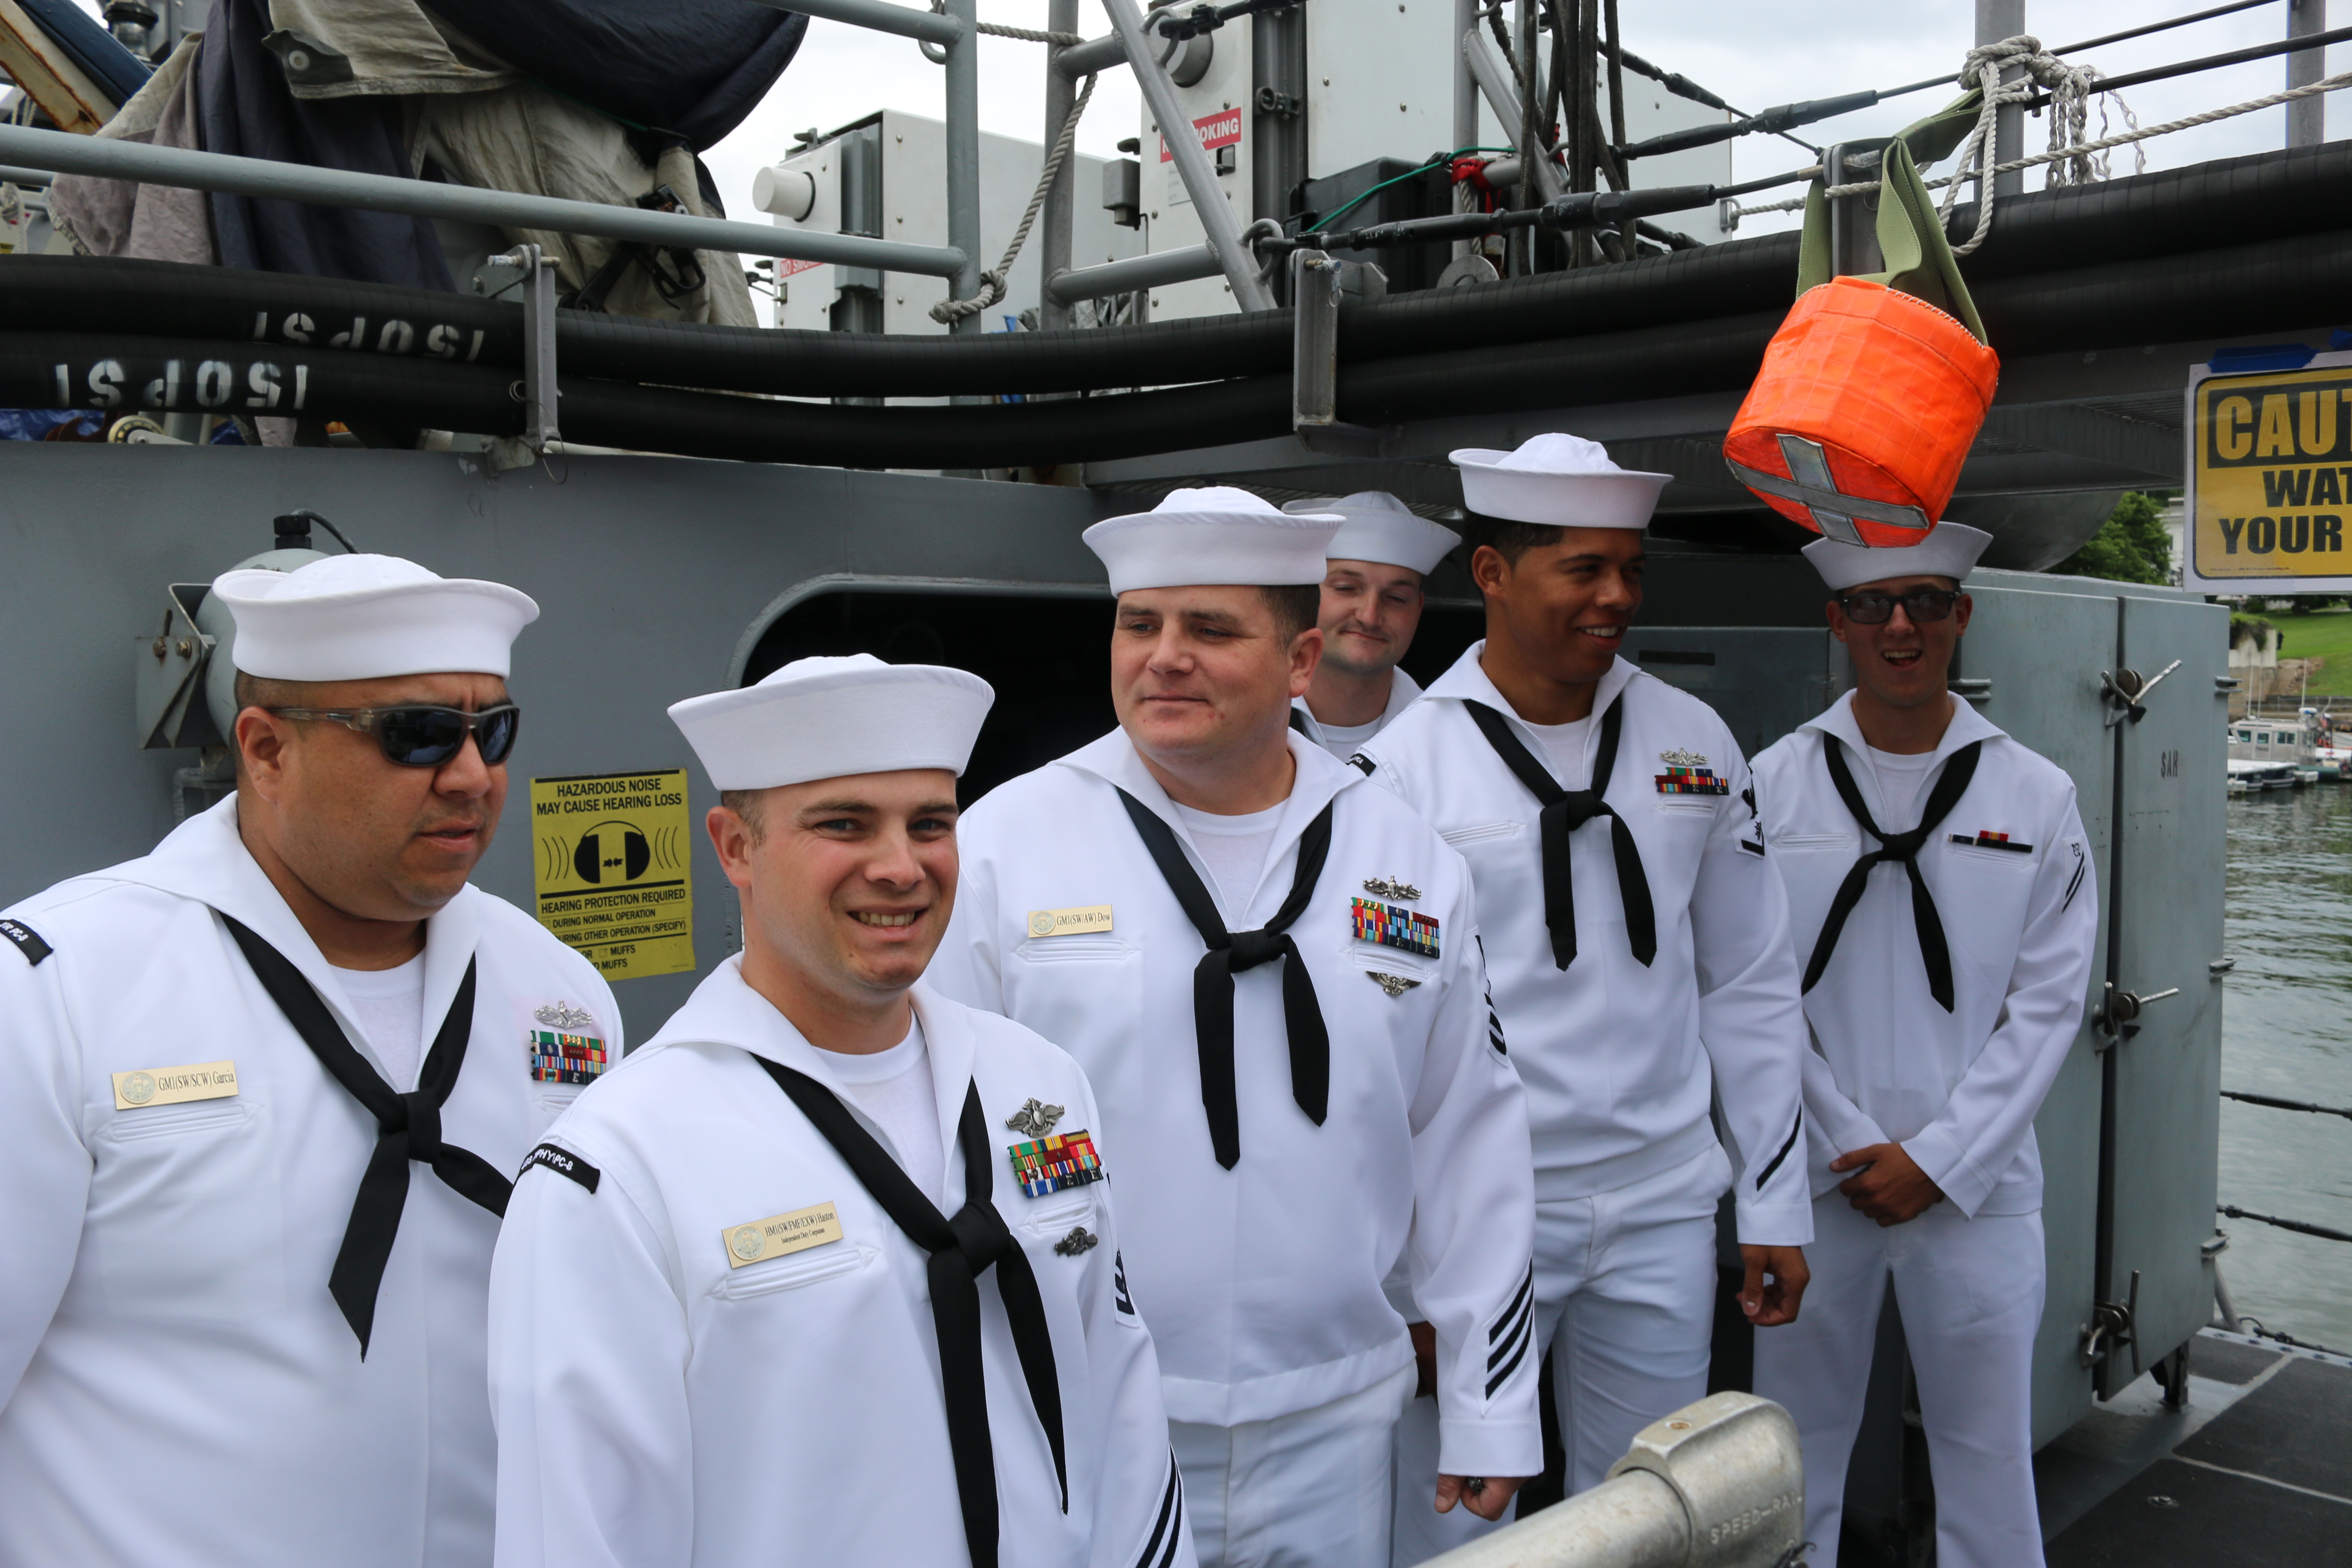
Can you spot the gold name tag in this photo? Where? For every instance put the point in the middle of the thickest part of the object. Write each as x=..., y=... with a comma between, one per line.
x=781, y=1235
x=1069, y=923
x=175, y=1086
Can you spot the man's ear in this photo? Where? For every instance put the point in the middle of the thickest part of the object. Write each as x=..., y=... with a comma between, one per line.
x=1489, y=570
x=1306, y=653
x=732, y=837
x=1834, y=613
x=1962, y=608
x=262, y=740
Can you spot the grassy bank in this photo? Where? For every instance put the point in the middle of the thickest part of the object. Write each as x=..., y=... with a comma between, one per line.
x=2325, y=634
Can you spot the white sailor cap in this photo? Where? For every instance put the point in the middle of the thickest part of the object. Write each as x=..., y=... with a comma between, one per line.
x=830, y=717
x=355, y=618
x=1950, y=550
x=1559, y=480
x=1213, y=535
x=1380, y=528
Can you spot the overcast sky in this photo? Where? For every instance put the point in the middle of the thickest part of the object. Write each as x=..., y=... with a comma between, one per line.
x=1751, y=55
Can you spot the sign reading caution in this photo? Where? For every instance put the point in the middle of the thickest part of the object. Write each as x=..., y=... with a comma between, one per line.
x=612, y=871
x=2269, y=474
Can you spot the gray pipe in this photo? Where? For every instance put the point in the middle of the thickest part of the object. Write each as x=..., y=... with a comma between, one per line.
x=1136, y=272
x=1217, y=221
x=1054, y=223
x=1093, y=55
x=963, y=163
x=107, y=159
x=1503, y=96
x=908, y=23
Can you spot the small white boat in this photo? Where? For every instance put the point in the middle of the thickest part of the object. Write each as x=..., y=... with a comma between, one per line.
x=2281, y=751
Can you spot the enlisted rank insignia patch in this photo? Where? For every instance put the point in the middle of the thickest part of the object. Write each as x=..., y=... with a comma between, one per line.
x=1689, y=778
x=560, y=1051
x=1049, y=1164
x=1394, y=984
x=1382, y=888
x=563, y=1163
x=29, y=940
x=1079, y=1240
x=1035, y=1118
x=1987, y=839
x=1407, y=930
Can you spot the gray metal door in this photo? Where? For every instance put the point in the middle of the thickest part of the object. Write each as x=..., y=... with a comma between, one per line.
x=2163, y=1065
x=2039, y=645
x=1763, y=681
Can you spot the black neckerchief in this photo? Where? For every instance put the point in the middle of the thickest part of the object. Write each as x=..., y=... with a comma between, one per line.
x=1229, y=953
x=1950, y=784
x=1564, y=811
x=408, y=1126
x=961, y=1249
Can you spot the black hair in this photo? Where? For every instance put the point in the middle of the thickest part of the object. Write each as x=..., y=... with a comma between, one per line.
x=1295, y=608
x=1507, y=538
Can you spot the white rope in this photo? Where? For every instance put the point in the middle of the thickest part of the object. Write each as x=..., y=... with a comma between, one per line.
x=2136, y=133
x=947, y=313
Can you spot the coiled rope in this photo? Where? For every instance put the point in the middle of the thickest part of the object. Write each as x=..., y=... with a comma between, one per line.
x=2082, y=162
x=947, y=313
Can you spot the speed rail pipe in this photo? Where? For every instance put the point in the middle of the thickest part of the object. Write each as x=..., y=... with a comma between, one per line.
x=930, y=27
x=107, y=159
x=1152, y=272
x=1718, y=1484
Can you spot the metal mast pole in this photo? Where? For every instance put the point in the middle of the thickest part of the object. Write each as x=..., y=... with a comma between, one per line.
x=1054, y=221
x=1996, y=20
x=963, y=160
x=2307, y=118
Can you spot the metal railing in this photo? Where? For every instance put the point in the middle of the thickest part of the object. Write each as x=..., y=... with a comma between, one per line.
x=1718, y=1484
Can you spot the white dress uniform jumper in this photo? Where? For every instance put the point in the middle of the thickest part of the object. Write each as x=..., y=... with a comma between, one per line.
x=1637, y=944
x=1307, y=1091
x=727, y=1328
x=242, y=1317
x=1947, y=963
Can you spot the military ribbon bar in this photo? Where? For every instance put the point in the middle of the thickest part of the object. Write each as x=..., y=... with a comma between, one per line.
x=1390, y=926
x=1692, y=781
x=1045, y=1165
x=565, y=1059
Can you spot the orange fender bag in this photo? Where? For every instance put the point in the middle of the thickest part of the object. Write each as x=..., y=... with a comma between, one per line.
x=1875, y=387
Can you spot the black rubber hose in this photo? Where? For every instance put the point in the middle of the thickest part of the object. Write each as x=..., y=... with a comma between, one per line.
x=2242, y=289
x=2272, y=197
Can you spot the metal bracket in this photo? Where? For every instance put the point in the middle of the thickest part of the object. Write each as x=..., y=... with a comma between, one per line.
x=2113, y=1325
x=536, y=391
x=1316, y=282
x=2118, y=1014
x=168, y=683
x=2126, y=693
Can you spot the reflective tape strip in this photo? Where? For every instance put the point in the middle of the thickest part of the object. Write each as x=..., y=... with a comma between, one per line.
x=1832, y=511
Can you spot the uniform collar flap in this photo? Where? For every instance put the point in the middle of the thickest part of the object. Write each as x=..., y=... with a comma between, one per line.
x=1320, y=777
x=1968, y=725
x=205, y=860
x=1467, y=681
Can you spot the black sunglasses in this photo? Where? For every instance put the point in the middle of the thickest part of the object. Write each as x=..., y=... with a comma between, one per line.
x=424, y=737
x=1919, y=603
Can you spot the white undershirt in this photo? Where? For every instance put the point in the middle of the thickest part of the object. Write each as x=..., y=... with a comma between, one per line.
x=389, y=1006
x=1900, y=774
x=894, y=1088
x=1234, y=849
x=1344, y=740
x=1564, y=745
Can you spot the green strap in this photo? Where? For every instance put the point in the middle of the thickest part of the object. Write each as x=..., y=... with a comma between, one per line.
x=1918, y=258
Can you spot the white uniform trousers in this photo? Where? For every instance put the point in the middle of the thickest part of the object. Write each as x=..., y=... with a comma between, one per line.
x=1970, y=1294
x=1310, y=1489
x=1625, y=1299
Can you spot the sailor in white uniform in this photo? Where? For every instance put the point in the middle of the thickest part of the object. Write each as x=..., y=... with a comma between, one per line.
x=1270, y=970
x=1945, y=907
x=1637, y=943
x=829, y=1272
x=1372, y=606
x=267, y=1087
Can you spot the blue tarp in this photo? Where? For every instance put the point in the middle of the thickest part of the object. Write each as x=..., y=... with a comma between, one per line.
x=90, y=47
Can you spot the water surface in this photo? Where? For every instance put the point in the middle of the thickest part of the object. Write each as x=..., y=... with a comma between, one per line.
x=2286, y=1030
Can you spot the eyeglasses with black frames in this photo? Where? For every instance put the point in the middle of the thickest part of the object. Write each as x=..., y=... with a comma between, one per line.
x=423, y=737
x=1922, y=604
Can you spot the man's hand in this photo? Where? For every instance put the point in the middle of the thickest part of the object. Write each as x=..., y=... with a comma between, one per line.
x=1486, y=1496
x=1891, y=1187
x=1769, y=1306
x=1424, y=1360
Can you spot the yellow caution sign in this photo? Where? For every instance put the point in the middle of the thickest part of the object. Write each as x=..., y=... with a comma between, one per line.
x=2269, y=474
x=612, y=869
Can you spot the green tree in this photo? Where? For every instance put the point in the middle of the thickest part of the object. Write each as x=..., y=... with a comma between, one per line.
x=2131, y=546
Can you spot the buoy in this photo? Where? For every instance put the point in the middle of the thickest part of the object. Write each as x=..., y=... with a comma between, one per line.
x=1871, y=392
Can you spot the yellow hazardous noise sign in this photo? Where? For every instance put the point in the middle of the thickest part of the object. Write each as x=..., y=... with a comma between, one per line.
x=612, y=869
x=2269, y=474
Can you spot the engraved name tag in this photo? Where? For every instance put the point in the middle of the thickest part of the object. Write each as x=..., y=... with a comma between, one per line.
x=1069, y=923
x=175, y=1086
x=781, y=1235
